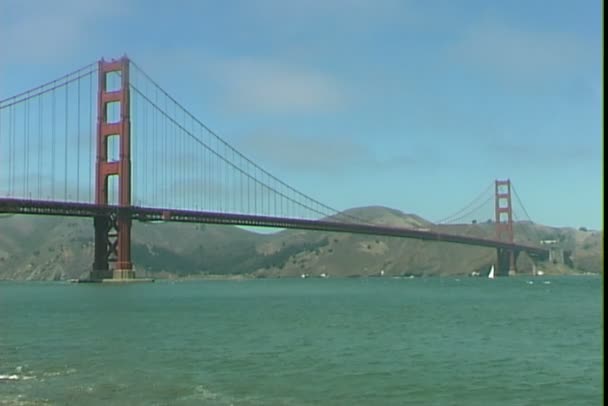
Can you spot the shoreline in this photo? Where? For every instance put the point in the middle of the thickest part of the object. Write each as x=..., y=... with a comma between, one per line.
x=253, y=277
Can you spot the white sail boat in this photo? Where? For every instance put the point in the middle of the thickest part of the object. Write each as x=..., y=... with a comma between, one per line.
x=491, y=274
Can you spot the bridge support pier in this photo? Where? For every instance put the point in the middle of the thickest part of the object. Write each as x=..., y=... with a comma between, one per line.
x=113, y=246
x=123, y=274
x=124, y=266
x=506, y=260
x=103, y=249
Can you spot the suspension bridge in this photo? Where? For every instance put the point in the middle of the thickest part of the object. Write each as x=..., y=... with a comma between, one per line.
x=108, y=143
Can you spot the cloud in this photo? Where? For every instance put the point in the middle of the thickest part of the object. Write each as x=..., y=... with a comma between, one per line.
x=254, y=84
x=548, y=154
x=39, y=31
x=315, y=154
x=513, y=52
x=354, y=14
x=265, y=86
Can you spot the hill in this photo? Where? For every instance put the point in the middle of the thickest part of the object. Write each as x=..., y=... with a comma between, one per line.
x=43, y=248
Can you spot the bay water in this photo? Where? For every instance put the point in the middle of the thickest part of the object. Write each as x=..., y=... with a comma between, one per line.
x=367, y=341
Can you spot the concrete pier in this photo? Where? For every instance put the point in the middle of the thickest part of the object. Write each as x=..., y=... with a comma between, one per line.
x=132, y=280
x=113, y=281
x=119, y=274
x=116, y=276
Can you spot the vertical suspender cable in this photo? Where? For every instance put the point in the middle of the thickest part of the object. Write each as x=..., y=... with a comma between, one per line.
x=39, y=160
x=1, y=145
x=11, y=152
x=53, y=142
x=90, y=137
x=146, y=146
x=78, y=143
x=65, y=149
x=25, y=145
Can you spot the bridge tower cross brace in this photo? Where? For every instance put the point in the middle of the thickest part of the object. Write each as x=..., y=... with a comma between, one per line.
x=113, y=231
x=505, y=258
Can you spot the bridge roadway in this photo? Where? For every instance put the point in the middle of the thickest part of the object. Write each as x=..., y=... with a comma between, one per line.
x=145, y=214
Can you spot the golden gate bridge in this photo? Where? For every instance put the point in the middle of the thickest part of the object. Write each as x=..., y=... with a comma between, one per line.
x=108, y=143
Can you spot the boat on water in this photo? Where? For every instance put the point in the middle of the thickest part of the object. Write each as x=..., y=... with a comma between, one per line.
x=491, y=274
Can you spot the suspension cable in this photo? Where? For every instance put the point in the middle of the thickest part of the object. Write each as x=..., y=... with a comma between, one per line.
x=453, y=217
x=243, y=157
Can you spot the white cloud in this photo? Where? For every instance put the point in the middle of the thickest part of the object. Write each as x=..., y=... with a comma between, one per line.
x=319, y=154
x=513, y=52
x=254, y=85
x=38, y=31
x=270, y=86
x=547, y=155
x=352, y=15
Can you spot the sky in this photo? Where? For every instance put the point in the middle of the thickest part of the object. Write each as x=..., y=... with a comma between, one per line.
x=413, y=105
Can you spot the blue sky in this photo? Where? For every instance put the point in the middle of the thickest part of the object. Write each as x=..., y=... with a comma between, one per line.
x=415, y=105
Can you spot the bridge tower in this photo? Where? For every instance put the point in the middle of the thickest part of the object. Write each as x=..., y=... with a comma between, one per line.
x=505, y=258
x=113, y=232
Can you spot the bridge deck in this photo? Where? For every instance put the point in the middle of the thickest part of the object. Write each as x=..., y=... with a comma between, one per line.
x=74, y=209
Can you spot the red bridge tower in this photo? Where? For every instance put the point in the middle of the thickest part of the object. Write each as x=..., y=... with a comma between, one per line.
x=113, y=231
x=505, y=263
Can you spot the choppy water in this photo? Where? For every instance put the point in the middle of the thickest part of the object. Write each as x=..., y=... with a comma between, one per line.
x=428, y=341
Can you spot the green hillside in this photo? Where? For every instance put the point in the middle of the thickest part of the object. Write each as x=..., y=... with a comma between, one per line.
x=47, y=248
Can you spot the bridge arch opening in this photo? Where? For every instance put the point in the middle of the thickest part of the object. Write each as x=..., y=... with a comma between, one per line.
x=112, y=112
x=113, y=81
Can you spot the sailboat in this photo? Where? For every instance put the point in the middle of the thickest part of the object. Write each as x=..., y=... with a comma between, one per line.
x=491, y=274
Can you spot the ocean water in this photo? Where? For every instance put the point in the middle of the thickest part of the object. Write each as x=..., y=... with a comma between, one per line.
x=376, y=341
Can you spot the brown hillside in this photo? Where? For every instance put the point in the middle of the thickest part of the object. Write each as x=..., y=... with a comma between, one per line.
x=59, y=248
